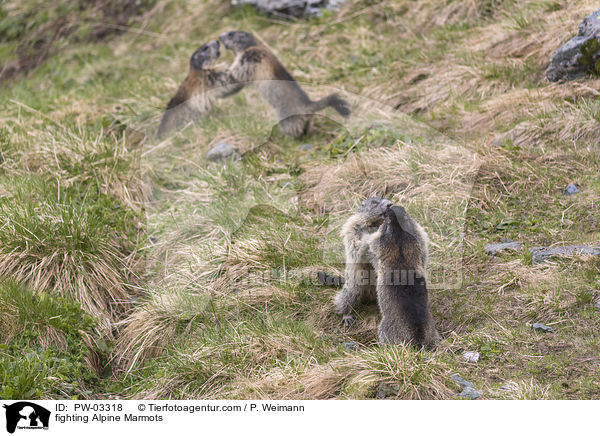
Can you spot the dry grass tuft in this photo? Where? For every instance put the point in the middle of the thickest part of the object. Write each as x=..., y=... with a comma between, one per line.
x=151, y=328
x=522, y=390
x=401, y=371
x=313, y=382
x=57, y=248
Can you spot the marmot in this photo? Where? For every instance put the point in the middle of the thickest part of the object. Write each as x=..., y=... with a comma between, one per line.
x=202, y=86
x=396, y=253
x=254, y=63
x=360, y=278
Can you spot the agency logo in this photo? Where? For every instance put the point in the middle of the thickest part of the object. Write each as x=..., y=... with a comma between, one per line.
x=26, y=415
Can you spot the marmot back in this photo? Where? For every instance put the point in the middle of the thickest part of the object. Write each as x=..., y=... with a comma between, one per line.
x=401, y=281
x=294, y=108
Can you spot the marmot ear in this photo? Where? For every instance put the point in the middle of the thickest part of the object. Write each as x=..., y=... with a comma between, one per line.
x=390, y=214
x=387, y=223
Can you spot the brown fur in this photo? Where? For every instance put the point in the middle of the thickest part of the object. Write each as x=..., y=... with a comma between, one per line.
x=294, y=108
x=386, y=258
x=202, y=86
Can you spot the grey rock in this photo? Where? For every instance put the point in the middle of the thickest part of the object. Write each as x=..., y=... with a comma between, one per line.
x=461, y=381
x=471, y=356
x=305, y=147
x=222, y=151
x=291, y=8
x=571, y=189
x=539, y=327
x=564, y=64
x=468, y=390
x=493, y=249
x=597, y=304
x=469, y=394
x=351, y=346
x=499, y=140
x=541, y=254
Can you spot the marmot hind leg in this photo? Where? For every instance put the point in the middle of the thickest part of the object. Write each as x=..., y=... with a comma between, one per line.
x=358, y=289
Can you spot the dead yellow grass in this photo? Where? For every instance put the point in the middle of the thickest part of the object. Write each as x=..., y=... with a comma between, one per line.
x=101, y=290
x=400, y=372
x=315, y=382
x=151, y=328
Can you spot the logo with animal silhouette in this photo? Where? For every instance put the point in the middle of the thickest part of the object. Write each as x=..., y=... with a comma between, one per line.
x=26, y=415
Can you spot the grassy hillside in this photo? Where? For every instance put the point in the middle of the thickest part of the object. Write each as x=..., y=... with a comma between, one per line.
x=134, y=268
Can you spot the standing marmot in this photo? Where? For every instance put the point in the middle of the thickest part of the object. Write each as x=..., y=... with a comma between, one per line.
x=199, y=90
x=359, y=278
x=254, y=63
x=383, y=241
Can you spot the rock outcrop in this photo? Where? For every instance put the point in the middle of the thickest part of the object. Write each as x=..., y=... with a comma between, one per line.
x=580, y=55
x=290, y=8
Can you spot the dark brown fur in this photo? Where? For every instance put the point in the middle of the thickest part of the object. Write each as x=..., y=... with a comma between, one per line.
x=202, y=86
x=401, y=282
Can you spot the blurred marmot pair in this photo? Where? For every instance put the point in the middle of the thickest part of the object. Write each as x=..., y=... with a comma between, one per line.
x=254, y=64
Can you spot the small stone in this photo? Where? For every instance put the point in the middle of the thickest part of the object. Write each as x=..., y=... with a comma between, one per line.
x=539, y=327
x=329, y=280
x=468, y=390
x=305, y=147
x=222, y=151
x=471, y=356
x=334, y=4
x=597, y=305
x=540, y=254
x=571, y=189
x=461, y=381
x=469, y=394
x=351, y=346
x=493, y=249
x=498, y=141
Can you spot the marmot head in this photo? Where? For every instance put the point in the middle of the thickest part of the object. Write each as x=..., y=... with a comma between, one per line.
x=205, y=56
x=374, y=209
x=237, y=40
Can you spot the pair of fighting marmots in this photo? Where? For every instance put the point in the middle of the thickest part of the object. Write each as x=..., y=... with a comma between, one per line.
x=253, y=64
x=386, y=260
x=386, y=250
